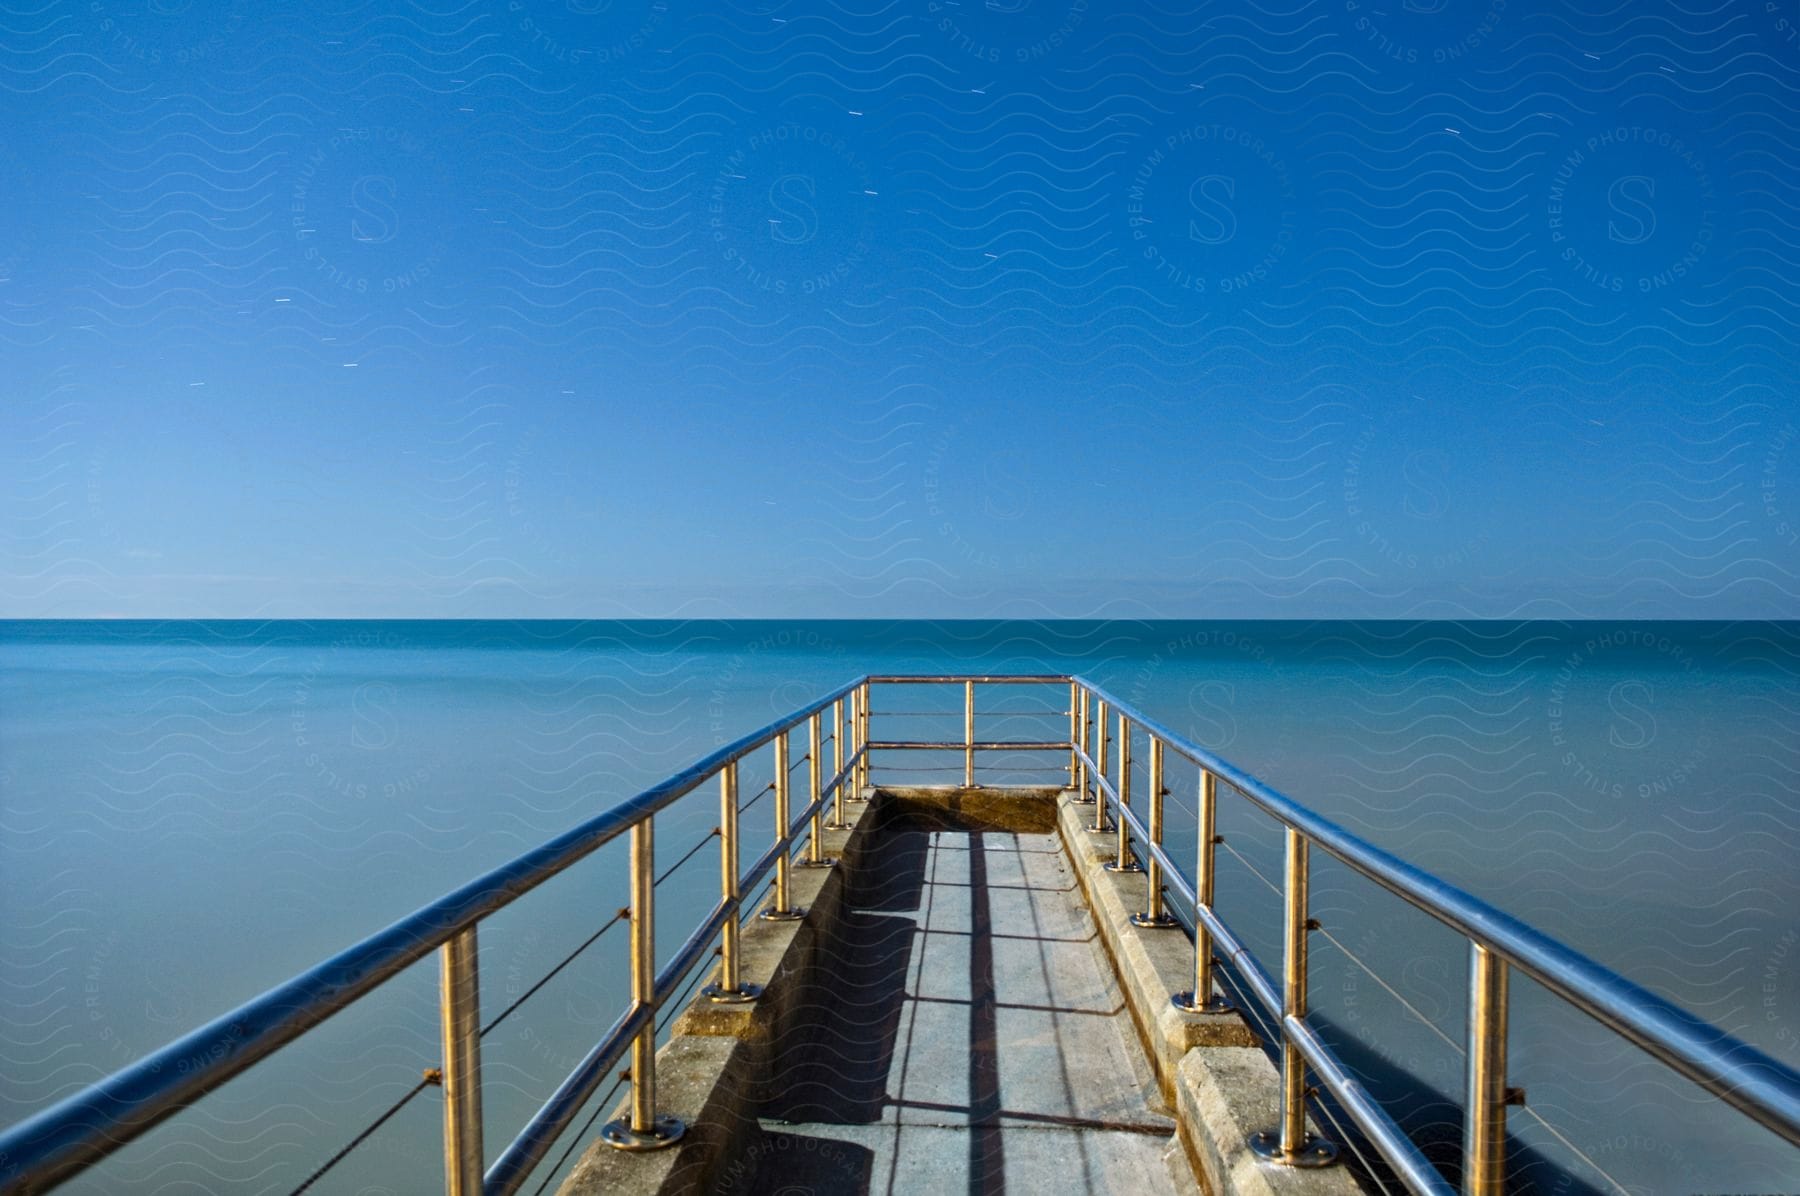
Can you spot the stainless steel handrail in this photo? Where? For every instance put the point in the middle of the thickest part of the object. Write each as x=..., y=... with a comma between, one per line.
x=73, y=1134
x=1757, y=1085
x=968, y=678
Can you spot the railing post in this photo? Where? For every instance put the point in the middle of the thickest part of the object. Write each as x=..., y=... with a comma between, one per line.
x=1484, y=1110
x=1101, y=740
x=780, y=910
x=862, y=740
x=459, y=989
x=815, y=825
x=968, y=734
x=641, y=1128
x=1084, y=726
x=1153, y=916
x=1291, y=1145
x=853, y=728
x=837, y=822
x=729, y=990
x=1123, y=859
x=1202, y=999
x=1074, y=733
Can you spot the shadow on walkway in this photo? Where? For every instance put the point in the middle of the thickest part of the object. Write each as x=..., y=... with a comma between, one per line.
x=959, y=942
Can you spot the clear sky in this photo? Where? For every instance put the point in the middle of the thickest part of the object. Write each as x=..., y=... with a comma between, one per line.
x=1000, y=307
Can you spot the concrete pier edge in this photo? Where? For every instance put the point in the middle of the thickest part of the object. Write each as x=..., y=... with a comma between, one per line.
x=1211, y=1066
x=708, y=1070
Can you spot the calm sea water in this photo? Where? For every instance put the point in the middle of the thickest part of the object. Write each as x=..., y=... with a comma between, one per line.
x=191, y=812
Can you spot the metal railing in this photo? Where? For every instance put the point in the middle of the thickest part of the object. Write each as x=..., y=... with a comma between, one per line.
x=69, y=1137
x=1760, y=1087
x=63, y=1140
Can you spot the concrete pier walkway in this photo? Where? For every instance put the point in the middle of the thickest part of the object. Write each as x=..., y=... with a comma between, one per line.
x=967, y=1035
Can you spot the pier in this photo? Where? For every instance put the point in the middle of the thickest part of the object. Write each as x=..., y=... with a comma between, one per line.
x=965, y=986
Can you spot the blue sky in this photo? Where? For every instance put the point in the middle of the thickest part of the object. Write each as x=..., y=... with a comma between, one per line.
x=622, y=307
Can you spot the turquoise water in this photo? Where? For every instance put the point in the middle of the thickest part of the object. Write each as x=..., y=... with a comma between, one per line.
x=191, y=812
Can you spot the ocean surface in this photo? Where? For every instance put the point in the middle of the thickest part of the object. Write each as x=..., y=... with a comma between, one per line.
x=192, y=812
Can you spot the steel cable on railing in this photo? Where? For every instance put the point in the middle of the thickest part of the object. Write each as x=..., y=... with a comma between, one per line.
x=691, y=853
x=604, y=1104
x=770, y=787
x=1433, y=1026
x=545, y=979
x=426, y=1082
x=672, y=1008
x=1575, y=1150
x=1352, y=956
x=762, y=793
x=431, y=1079
x=985, y=714
x=1254, y=871
x=423, y=1084
x=1248, y=1006
x=1462, y=1051
x=621, y=916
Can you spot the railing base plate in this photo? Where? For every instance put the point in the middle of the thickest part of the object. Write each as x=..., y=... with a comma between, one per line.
x=665, y=1131
x=736, y=996
x=1158, y=922
x=827, y=862
x=1184, y=1001
x=1314, y=1152
x=789, y=915
x=1115, y=866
